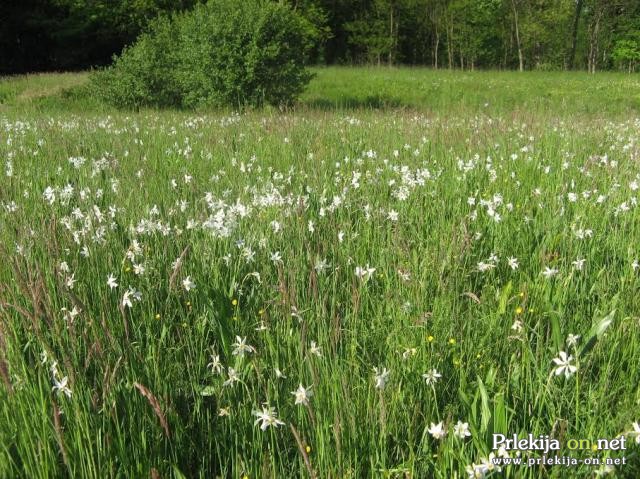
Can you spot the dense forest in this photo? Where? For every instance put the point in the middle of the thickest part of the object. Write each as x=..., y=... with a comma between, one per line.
x=38, y=35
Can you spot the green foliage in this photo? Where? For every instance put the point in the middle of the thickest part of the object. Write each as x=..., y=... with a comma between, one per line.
x=140, y=76
x=223, y=53
x=37, y=35
x=316, y=27
x=626, y=53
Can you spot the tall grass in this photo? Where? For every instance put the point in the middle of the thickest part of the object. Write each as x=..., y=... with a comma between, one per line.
x=349, y=252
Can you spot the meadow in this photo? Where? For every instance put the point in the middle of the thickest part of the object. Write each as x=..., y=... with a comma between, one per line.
x=371, y=284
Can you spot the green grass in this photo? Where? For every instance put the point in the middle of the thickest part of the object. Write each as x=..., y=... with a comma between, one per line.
x=226, y=192
x=434, y=91
x=487, y=92
x=38, y=89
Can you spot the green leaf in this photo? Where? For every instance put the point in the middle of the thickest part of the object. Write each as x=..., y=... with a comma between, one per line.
x=556, y=330
x=485, y=414
x=207, y=391
x=504, y=297
x=177, y=473
x=597, y=331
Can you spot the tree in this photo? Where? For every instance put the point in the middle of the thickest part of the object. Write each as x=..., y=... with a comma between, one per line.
x=435, y=12
x=70, y=34
x=515, y=8
x=316, y=26
x=519, y=34
x=574, y=34
x=223, y=53
x=375, y=32
x=627, y=52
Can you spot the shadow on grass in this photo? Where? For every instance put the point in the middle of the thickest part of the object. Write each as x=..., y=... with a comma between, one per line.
x=371, y=102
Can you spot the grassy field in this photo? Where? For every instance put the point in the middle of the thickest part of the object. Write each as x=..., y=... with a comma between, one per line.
x=369, y=285
x=427, y=91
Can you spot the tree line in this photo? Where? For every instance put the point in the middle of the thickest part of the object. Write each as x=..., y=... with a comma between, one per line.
x=593, y=35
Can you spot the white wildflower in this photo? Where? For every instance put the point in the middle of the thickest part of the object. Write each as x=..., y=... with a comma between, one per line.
x=381, y=377
x=564, y=366
x=431, y=376
x=437, y=430
x=302, y=394
x=240, y=347
x=267, y=417
x=188, y=284
x=461, y=430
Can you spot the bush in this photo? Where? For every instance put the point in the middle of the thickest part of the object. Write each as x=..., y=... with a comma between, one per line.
x=225, y=53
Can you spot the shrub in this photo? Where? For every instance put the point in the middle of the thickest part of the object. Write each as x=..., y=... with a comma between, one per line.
x=224, y=53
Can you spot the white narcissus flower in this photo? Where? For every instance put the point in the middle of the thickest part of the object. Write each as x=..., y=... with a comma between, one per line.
x=572, y=339
x=267, y=417
x=321, y=265
x=502, y=452
x=233, y=377
x=482, y=266
x=364, y=273
x=129, y=296
x=71, y=281
x=564, y=366
x=431, y=376
x=381, y=377
x=578, y=264
x=215, y=365
x=71, y=315
x=61, y=386
x=476, y=471
x=302, y=394
x=437, y=430
x=240, y=347
x=111, y=282
x=604, y=470
x=276, y=257
x=409, y=352
x=489, y=464
x=315, y=349
x=461, y=430
x=188, y=284
x=486, y=467
x=636, y=431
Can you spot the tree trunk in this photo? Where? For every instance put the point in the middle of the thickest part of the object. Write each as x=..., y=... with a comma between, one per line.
x=435, y=59
x=450, y=45
x=515, y=19
x=391, y=42
x=574, y=34
x=434, y=15
x=593, y=41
